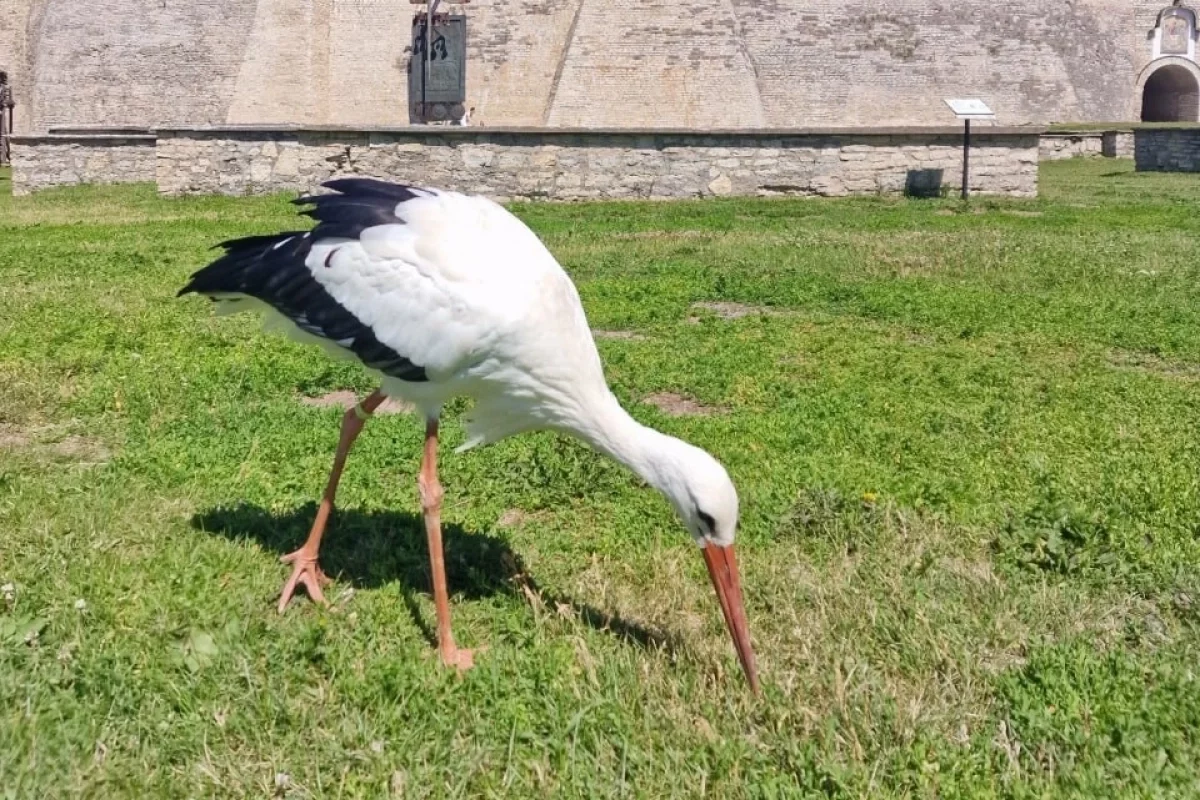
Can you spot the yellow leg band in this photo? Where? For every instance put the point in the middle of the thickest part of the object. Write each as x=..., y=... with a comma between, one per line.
x=361, y=412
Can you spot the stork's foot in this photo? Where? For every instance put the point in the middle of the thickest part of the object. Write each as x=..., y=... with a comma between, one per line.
x=306, y=572
x=458, y=657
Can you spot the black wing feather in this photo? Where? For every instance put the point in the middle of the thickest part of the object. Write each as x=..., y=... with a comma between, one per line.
x=344, y=217
x=271, y=268
x=370, y=187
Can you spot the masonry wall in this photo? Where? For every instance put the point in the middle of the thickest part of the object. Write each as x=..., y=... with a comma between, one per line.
x=43, y=162
x=1084, y=144
x=577, y=165
x=578, y=63
x=16, y=16
x=1056, y=146
x=139, y=63
x=1167, y=149
x=1117, y=144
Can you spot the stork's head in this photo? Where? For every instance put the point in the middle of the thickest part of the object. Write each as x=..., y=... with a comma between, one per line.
x=700, y=491
x=706, y=501
x=702, y=494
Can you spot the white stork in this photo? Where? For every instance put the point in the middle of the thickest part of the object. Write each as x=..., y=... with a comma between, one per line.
x=443, y=294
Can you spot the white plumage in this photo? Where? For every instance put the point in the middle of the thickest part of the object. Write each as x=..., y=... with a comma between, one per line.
x=443, y=294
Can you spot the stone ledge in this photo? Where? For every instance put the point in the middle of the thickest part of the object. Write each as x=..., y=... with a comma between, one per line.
x=469, y=131
x=109, y=130
x=96, y=139
x=1083, y=134
x=1167, y=127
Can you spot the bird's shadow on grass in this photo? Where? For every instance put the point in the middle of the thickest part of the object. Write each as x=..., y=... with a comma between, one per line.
x=375, y=548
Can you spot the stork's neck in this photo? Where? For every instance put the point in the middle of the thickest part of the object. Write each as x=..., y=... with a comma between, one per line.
x=650, y=454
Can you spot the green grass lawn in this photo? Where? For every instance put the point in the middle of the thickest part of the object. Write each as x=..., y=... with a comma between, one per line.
x=967, y=442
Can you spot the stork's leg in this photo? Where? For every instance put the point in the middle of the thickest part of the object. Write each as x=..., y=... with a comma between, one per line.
x=431, y=505
x=306, y=571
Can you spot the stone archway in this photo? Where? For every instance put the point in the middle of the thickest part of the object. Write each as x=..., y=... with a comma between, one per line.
x=1171, y=91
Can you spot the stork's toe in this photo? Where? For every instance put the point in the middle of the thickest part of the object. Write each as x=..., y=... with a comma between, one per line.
x=460, y=658
x=306, y=572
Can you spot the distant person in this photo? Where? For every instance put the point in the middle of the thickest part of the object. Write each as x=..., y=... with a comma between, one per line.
x=6, y=117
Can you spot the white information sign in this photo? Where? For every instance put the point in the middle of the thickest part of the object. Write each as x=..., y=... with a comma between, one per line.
x=970, y=108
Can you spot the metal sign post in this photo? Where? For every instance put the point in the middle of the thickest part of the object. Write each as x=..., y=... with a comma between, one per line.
x=429, y=16
x=968, y=109
x=6, y=118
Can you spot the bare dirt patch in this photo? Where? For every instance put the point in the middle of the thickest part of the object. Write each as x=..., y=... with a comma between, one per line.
x=48, y=441
x=904, y=265
x=12, y=437
x=1154, y=365
x=82, y=449
x=629, y=336
x=515, y=517
x=676, y=405
x=511, y=517
x=346, y=400
x=728, y=310
x=977, y=569
x=685, y=234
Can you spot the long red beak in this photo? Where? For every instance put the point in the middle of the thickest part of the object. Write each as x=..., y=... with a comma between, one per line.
x=722, y=567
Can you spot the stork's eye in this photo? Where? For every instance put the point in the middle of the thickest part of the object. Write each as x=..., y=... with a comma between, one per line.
x=708, y=522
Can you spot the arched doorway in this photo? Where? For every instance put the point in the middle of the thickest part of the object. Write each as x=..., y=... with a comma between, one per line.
x=1171, y=94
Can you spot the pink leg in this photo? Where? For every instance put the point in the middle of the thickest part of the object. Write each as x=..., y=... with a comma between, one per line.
x=431, y=505
x=306, y=571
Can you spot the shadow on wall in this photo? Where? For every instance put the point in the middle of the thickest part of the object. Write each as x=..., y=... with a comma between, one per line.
x=923, y=183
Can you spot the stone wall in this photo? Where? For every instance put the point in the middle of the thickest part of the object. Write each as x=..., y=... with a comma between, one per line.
x=1167, y=149
x=141, y=63
x=42, y=162
x=1057, y=145
x=16, y=16
x=1118, y=144
x=585, y=164
x=578, y=63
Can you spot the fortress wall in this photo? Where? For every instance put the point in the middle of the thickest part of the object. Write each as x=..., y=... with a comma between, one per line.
x=636, y=63
x=345, y=61
x=272, y=83
x=515, y=53
x=367, y=77
x=136, y=62
x=612, y=63
x=319, y=62
x=893, y=62
x=15, y=16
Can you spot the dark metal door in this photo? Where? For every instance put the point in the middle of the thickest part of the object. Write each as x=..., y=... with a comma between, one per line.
x=437, y=85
